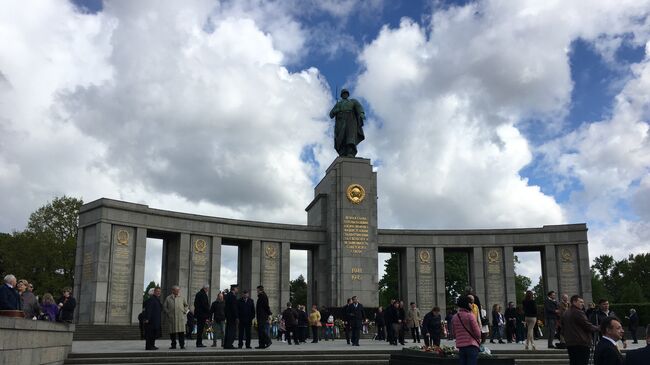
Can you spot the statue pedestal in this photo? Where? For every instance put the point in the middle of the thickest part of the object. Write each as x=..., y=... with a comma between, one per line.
x=345, y=205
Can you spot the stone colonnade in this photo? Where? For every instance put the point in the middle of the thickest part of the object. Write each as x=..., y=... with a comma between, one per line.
x=342, y=239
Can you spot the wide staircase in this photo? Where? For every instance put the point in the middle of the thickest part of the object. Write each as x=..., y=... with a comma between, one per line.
x=308, y=357
x=85, y=332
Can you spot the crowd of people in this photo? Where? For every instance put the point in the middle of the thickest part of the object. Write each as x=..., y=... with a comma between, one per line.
x=585, y=332
x=18, y=295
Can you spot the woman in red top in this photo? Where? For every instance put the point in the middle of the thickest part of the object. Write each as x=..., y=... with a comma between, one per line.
x=468, y=333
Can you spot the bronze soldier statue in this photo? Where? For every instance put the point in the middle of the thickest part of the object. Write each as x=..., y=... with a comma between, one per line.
x=348, y=130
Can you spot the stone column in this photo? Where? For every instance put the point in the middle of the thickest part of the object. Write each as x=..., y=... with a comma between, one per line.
x=215, y=276
x=441, y=290
x=549, y=270
x=184, y=267
x=248, y=272
x=478, y=274
x=310, y=280
x=285, y=274
x=509, y=264
x=138, y=273
x=585, y=272
x=122, y=262
x=256, y=266
x=407, y=275
x=78, y=269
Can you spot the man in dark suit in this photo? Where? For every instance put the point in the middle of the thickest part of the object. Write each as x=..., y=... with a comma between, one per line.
x=152, y=319
x=246, y=310
x=9, y=297
x=232, y=315
x=606, y=352
x=640, y=356
x=551, y=310
x=201, y=313
x=355, y=317
x=263, y=312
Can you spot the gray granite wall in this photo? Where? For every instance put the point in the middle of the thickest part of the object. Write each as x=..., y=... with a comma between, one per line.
x=26, y=342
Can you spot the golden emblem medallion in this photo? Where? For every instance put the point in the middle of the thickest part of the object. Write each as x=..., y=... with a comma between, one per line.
x=270, y=252
x=355, y=193
x=493, y=256
x=123, y=237
x=566, y=255
x=200, y=245
x=425, y=257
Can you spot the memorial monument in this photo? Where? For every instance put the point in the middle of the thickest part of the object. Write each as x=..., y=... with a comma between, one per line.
x=341, y=236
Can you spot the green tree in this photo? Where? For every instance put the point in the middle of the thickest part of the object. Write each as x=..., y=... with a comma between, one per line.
x=604, y=265
x=598, y=286
x=456, y=275
x=44, y=253
x=636, y=268
x=540, y=292
x=389, y=283
x=632, y=293
x=522, y=283
x=298, y=291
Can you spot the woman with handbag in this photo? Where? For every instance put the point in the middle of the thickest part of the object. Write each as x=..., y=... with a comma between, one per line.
x=468, y=333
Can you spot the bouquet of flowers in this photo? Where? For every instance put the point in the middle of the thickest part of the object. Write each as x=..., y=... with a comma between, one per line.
x=437, y=351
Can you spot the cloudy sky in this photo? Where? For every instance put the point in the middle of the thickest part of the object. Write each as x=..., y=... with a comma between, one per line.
x=482, y=114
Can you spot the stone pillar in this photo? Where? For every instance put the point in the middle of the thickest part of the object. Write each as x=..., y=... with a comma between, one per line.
x=285, y=274
x=568, y=269
x=585, y=272
x=248, y=273
x=122, y=262
x=347, y=195
x=184, y=267
x=425, y=283
x=440, y=287
x=549, y=270
x=509, y=265
x=271, y=273
x=310, y=280
x=495, y=291
x=407, y=275
x=215, y=277
x=138, y=273
x=477, y=274
x=200, y=266
x=78, y=269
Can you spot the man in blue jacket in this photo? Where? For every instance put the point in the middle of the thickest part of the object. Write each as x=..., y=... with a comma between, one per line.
x=9, y=297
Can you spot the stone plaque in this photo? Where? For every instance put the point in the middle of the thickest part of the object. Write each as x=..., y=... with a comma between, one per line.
x=200, y=263
x=121, y=274
x=568, y=275
x=425, y=278
x=495, y=281
x=271, y=252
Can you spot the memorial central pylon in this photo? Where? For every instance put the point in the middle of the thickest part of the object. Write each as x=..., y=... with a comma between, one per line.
x=345, y=205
